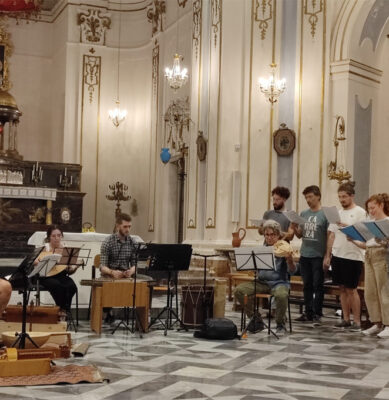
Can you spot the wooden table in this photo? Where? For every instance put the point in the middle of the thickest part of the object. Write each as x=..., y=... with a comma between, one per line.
x=117, y=293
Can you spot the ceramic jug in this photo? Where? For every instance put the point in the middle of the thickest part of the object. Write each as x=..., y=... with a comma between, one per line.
x=237, y=237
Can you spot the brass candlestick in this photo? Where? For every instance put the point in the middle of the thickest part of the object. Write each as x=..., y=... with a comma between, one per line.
x=119, y=194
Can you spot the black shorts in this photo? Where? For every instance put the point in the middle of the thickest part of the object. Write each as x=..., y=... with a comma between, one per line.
x=346, y=272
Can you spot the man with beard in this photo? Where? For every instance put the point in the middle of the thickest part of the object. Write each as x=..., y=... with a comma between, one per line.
x=279, y=195
x=347, y=259
x=313, y=249
x=118, y=255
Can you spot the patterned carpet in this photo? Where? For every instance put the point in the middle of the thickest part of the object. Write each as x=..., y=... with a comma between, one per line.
x=311, y=363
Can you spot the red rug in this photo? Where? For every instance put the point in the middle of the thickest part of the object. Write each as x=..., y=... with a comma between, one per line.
x=67, y=374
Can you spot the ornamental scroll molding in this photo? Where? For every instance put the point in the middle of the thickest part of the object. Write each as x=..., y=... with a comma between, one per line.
x=263, y=14
x=216, y=18
x=155, y=68
x=182, y=3
x=155, y=14
x=312, y=8
x=196, y=35
x=91, y=74
x=93, y=26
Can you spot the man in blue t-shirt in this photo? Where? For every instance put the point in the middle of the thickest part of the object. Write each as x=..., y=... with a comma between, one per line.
x=313, y=249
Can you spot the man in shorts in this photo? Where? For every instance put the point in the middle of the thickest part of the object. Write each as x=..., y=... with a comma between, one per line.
x=347, y=259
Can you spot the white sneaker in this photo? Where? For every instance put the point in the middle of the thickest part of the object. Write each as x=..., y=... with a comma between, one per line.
x=384, y=333
x=372, y=330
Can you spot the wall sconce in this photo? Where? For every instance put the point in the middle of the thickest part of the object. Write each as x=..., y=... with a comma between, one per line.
x=272, y=88
x=338, y=172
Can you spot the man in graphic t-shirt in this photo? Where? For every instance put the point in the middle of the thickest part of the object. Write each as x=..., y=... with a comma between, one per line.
x=347, y=259
x=313, y=249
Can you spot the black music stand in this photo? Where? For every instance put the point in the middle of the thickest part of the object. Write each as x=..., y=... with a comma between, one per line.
x=255, y=259
x=23, y=268
x=135, y=316
x=171, y=258
x=206, y=301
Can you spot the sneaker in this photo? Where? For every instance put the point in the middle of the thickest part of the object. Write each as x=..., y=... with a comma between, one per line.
x=256, y=324
x=372, y=330
x=355, y=328
x=316, y=321
x=384, y=333
x=303, y=318
x=342, y=324
x=280, y=330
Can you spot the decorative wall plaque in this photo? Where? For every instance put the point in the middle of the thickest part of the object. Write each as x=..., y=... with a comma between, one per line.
x=284, y=140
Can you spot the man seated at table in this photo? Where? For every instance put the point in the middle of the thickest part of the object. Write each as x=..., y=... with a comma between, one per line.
x=5, y=294
x=118, y=255
x=275, y=282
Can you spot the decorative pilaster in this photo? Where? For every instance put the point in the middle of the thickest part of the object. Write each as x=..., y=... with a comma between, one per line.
x=214, y=111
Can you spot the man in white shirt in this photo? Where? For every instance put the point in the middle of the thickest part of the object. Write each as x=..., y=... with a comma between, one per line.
x=347, y=259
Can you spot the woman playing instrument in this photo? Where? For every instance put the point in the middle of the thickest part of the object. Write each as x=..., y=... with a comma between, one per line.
x=61, y=287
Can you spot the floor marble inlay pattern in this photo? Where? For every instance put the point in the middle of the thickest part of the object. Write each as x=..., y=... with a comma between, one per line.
x=311, y=363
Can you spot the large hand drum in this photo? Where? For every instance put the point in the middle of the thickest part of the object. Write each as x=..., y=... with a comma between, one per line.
x=196, y=305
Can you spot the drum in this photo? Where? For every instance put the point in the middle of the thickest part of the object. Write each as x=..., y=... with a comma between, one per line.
x=196, y=305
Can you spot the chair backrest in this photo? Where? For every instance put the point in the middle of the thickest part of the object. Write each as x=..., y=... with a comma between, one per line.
x=96, y=265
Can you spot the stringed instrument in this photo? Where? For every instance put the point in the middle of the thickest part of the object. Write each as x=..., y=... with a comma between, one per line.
x=60, y=267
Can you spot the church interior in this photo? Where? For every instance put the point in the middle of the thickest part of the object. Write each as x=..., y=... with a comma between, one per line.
x=214, y=103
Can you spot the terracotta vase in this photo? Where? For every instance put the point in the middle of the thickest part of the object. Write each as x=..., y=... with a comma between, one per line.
x=237, y=237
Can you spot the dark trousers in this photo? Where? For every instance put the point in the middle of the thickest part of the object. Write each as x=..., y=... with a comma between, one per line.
x=62, y=289
x=313, y=279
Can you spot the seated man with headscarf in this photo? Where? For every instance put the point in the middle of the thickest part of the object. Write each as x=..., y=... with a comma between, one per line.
x=275, y=282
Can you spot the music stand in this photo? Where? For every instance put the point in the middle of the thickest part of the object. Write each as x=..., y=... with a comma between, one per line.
x=171, y=258
x=69, y=256
x=24, y=267
x=135, y=316
x=255, y=259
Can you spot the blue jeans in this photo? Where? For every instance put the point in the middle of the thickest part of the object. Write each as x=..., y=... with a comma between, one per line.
x=313, y=279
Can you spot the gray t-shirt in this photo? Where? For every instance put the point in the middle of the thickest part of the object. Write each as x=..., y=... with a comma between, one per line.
x=314, y=234
x=278, y=216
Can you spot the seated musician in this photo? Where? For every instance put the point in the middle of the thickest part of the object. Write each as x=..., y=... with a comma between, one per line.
x=5, y=294
x=275, y=282
x=118, y=255
x=61, y=287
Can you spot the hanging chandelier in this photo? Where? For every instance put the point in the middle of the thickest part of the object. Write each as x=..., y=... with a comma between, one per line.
x=176, y=76
x=272, y=88
x=118, y=115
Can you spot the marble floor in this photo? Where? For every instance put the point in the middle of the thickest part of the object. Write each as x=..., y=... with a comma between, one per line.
x=311, y=363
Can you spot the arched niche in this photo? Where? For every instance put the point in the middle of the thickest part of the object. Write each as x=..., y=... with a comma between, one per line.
x=359, y=88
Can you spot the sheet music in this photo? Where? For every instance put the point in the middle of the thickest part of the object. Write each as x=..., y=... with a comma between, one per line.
x=294, y=217
x=353, y=232
x=383, y=224
x=374, y=229
x=264, y=258
x=46, y=264
x=332, y=214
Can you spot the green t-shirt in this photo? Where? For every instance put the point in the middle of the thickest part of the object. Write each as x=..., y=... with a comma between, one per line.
x=314, y=234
